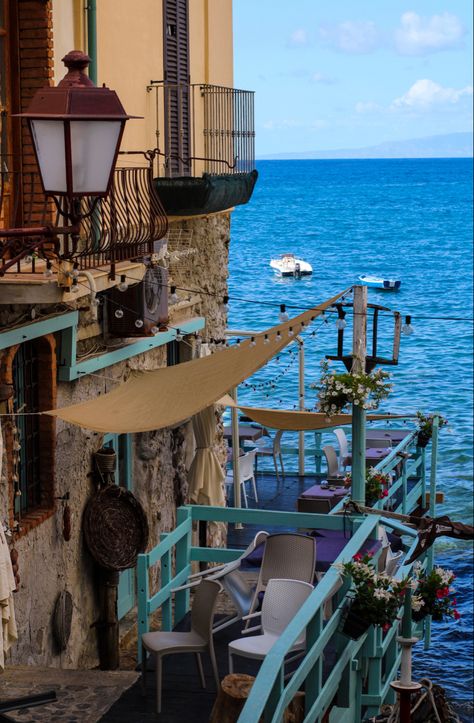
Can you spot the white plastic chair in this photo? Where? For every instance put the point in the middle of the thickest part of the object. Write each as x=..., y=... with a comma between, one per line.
x=246, y=474
x=393, y=562
x=283, y=599
x=332, y=462
x=273, y=451
x=388, y=561
x=343, y=448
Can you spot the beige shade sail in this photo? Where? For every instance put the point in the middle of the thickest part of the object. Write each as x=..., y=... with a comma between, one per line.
x=205, y=476
x=163, y=398
x=300, y=421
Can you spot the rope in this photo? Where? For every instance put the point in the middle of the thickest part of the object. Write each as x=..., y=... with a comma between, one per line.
x=354, y=507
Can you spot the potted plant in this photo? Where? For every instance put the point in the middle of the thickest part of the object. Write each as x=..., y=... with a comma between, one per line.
x=434, y=595
x=376, y=597
x=336, y=392
x=376, y=485
x=425, y=427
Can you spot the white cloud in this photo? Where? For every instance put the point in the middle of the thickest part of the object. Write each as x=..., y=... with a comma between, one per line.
x=418, y=36
x=367, y=107
x=424, y=94
x=353, y=37
x=322, y=78
x=299, y=37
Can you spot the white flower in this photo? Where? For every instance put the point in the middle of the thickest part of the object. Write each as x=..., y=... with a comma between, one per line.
x=416, y=603
x=381, y=594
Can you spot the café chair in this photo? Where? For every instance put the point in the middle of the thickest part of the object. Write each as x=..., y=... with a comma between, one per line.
x=198, y=640
x=333, y=474
x=343, y=448
x=274, y=451
x=283, y=598
x=246, y=474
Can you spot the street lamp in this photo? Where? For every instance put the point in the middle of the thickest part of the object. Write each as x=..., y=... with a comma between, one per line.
x=76, y=130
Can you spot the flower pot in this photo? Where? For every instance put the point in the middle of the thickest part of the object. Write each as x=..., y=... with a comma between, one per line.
x=423, y=439
x=105, y=459
x=418, y=615
x=354, y=625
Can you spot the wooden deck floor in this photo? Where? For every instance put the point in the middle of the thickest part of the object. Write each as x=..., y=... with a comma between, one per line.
x=183, y=698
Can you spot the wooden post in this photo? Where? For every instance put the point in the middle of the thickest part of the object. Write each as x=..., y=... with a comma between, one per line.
x=359, y=347
x=108, y=629
x=232, y=696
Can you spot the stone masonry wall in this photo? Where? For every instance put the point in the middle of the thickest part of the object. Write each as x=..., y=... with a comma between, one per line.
x=47, y=563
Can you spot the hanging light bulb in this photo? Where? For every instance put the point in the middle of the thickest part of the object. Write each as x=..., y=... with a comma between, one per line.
x=237, y=343
x=290, y=331
x=252, y=341
x=224, y=307
x=75, y=286
x=178, y=335
x=266, y=340
x=341, y=322
x=278, y=337
x=118, y=313
x=407, y=328
x=154, y=330
x=29, y=259
x=139, y=323
x=173, y=297
x=48, y=272
x=283, y=315
x=75, y=271
x=123, y=286
x=96, y=301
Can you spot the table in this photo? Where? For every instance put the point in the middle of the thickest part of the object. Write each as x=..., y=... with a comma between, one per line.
x=395, y=435
x=332, y=495
x=373, y=455
x=329, y=545
x=247, y=432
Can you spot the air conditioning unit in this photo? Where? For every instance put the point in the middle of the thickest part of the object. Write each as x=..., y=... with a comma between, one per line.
x=142, y=307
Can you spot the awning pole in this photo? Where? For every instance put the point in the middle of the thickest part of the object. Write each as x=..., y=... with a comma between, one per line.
x=301, y=403
x=235, y=453
x=359, y=346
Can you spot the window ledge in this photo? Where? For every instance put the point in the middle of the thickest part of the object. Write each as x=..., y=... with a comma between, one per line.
x=33, y=519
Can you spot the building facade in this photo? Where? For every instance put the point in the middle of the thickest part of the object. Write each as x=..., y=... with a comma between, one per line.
x=142, y=288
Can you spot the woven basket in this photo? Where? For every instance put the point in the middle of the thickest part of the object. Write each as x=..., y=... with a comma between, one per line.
x=62, y=618
x=115, y=528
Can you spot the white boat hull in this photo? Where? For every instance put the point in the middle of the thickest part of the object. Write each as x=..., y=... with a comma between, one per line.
x=291, y=266
x=377, y=282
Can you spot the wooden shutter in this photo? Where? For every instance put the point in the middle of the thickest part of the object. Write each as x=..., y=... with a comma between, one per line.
x=177, y=90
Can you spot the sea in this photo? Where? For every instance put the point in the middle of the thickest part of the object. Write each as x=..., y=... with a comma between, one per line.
x=400, y=218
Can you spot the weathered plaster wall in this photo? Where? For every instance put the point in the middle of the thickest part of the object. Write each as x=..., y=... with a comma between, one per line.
x=48, y=564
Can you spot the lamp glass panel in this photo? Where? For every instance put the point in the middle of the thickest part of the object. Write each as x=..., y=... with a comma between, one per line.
x=48, y=137
x=93, y=148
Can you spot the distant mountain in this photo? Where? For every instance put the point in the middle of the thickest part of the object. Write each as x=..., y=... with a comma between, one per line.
x=451, y=145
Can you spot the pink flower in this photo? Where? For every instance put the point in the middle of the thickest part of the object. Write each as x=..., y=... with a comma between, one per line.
x=386, y=627
x=456, y=615
x=357, y=557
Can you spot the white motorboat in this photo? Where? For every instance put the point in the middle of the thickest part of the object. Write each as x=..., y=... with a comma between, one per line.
x=289, y=265
x=378, y=282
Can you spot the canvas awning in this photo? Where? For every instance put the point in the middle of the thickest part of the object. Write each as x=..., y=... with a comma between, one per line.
x=151, y=400
x=294, y=421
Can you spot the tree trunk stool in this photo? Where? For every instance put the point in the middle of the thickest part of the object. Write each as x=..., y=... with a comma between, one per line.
x=232, y=696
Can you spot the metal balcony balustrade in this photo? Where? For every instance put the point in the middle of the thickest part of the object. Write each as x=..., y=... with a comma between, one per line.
x=121, y=227
x=202, y=128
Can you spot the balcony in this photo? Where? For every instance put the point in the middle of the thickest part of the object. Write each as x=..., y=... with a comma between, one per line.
x=205, y=155
x=123, y=227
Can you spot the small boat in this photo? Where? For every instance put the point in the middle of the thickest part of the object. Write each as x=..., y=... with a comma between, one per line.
x=289, y=265
x=377, y=282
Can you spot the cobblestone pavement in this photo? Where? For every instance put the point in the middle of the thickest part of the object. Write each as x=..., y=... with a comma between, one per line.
x=83, y=696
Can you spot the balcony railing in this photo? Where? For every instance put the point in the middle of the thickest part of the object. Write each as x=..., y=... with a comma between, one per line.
x=203, y=128
x=121, y=227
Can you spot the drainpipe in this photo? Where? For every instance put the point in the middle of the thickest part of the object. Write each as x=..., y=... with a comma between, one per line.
x=91, y=10
x=94, y=305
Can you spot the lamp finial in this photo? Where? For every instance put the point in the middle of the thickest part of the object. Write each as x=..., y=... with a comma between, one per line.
x=76, y=62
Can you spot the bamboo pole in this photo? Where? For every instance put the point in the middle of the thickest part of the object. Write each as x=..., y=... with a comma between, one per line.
x=301, y=403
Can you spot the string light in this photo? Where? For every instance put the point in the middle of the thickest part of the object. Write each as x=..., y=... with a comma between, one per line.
x=48, y=272
x=173, y=297
x=341, y=322
x=118, y=313
x=407, y=328
x=283, y=315
x=75, y=271
x=75, y=286
x=237, y=343
x=123, y=286
x=266, y=340
x=178, y=337
x=139, y=323
x=252, y=341
x=290, y=331
x=224, y=307
x=154, y=330
x=278, y=336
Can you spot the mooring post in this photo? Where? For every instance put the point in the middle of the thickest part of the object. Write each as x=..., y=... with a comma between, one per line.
x=359, y=348
x=404, y=686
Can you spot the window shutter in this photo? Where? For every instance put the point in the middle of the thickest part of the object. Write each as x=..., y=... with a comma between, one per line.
x=176, y=74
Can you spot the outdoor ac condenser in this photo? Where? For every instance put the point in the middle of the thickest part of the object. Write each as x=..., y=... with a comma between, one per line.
x=145, y=302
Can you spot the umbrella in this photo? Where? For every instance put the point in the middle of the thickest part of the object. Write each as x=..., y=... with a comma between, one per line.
x=205, y=475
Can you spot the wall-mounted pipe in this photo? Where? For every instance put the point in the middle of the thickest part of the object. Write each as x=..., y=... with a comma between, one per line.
x=91, y=9
x=93, y=287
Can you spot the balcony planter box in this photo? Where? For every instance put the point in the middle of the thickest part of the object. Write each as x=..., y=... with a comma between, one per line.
x=185, y=196
x=353, y=624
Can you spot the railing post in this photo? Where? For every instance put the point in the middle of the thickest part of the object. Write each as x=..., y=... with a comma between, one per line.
x=183, y=558
x=165, y=568
x=374, y=644
x=423, y=476
x=301, y=459
x=432, y=512
x=314, y=679
x=404, y=487
x=274, y=697
x=143, y=589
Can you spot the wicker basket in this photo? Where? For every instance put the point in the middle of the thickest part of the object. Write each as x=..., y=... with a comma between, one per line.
x=62, y=619
x=115, y=528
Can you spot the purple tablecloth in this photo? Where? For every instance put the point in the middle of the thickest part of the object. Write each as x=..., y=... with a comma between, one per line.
x=396, y=435
x=373, y=455
x=329, y=545
x=316, y=492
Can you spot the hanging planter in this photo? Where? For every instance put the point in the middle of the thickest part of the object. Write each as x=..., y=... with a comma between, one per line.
x=105, y=460
x=425, y=427
x=336, y=392
x=354, y=624
x=423, y=439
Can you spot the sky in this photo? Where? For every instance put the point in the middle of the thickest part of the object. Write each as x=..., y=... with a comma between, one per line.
x=353, y=73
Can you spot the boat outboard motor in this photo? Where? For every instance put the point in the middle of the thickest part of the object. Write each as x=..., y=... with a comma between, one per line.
x=297, y=271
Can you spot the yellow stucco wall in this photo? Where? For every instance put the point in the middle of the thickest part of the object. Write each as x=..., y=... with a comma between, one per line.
x=68, y=32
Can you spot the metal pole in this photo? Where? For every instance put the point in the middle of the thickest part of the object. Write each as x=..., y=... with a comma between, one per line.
x=432, y=512
x=301, y=403
x=359, y=346
x=235, y=453
x=92, y=39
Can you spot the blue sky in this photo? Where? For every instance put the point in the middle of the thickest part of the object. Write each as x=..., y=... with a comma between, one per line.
x=347, y=74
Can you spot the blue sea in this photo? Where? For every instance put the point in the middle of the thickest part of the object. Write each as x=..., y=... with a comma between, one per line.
x=409, y=219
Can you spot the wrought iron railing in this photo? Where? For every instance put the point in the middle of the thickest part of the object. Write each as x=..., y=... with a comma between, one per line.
x=202, y=128
x=123, y=226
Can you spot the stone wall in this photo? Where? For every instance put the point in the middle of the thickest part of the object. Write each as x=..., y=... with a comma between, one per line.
x=48, y=564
